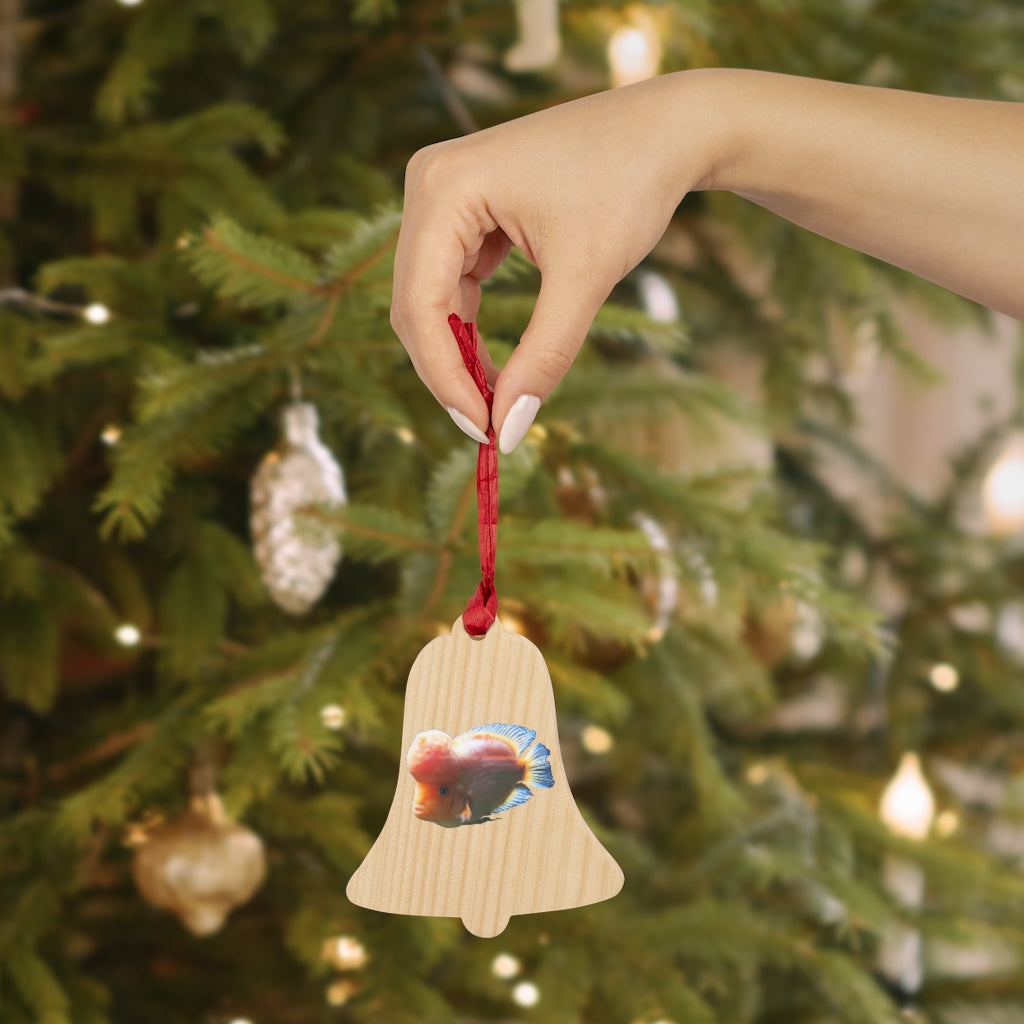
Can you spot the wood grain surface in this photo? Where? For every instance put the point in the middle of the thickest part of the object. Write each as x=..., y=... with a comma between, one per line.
x=539, y=856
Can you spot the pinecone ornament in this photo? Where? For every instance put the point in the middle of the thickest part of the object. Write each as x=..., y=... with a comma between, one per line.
x=296, y=555
x=200, y=866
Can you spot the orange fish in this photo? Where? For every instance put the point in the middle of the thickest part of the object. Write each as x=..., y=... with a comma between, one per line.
x=485, y=770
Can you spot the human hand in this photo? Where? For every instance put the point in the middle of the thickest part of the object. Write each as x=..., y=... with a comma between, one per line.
x=584, y=189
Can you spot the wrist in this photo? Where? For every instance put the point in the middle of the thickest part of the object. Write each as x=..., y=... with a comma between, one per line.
x=721, y=100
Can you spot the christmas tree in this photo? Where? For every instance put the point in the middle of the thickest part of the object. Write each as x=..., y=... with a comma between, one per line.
x=231, y=516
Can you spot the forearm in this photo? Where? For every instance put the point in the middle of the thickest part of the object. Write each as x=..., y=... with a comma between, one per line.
x=932, y=184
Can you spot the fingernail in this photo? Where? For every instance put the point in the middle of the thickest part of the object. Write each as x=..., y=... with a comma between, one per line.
x=517, y=422
x=467, y=426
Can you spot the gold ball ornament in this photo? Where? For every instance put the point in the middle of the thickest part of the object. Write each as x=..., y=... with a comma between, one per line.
x=296, y=555
x=200, y=866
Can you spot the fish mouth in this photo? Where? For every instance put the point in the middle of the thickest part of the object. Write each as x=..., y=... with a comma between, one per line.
x=420, y=810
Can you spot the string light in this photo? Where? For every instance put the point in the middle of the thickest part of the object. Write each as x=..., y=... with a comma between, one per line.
x=944, y=678
x=1003, y=490
x=405, y=435
x=96, y=313
x=907, y=805
x=947, y=823
x=596, y=740
x=526, y=994
x=757, y=774
x=110, y=434
x=332, y=716
x=505, y=966
x=347, y=953
x=127, y=635
x=634, y=51
x=513, y=624
x=129, y=3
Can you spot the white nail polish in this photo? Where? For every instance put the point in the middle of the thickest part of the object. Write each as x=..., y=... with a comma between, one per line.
x=467, y=426
x=517, y=422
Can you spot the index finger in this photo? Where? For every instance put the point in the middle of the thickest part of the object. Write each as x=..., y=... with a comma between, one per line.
x=436, y=249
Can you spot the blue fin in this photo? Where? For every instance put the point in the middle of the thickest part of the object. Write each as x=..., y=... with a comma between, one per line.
x=518, y=796
x=518, y=735
x=538, y=768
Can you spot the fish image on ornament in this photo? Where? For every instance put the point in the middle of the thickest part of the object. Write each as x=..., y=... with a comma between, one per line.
x=483, y=771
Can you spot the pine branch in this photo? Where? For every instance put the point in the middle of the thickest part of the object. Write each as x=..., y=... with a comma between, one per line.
x=370, y=533
x=253, y=270
x=352, y=258
x=38, y=987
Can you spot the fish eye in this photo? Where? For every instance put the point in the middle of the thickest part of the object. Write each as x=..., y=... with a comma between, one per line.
x=443, y=791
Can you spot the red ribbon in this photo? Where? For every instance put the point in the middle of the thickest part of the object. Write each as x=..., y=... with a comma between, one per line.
x=482, y=607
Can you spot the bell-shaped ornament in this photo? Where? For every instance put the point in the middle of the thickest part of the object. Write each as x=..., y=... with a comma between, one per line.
x=483, y=824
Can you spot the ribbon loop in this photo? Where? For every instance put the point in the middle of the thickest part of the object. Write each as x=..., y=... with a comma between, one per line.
x=482, y=607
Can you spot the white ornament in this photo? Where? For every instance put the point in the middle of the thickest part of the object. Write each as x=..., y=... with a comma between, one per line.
x=539, y=41
x=907, y=808
x=296, y=555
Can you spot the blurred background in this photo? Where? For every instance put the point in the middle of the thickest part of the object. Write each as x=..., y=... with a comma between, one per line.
x=767, y=535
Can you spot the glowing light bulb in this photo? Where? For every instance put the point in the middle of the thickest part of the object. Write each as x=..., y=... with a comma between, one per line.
x=110, y=434
x=596, y=740
x=944, y=678
x=96, y=313
x=526, y=994
x=505, y=966
x=947, y=823
x=332, y=716
x=513, y=624
x=908, y=806
x=127, y=635
x=757, y=774
x=405, y=435
x=634, y=54
x=1003, y=491
x=347, y=953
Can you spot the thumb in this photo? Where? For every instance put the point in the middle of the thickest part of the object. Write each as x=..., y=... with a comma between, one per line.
x=561, y=318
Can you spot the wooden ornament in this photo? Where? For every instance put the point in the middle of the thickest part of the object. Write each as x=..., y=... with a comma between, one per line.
x=530, y=852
